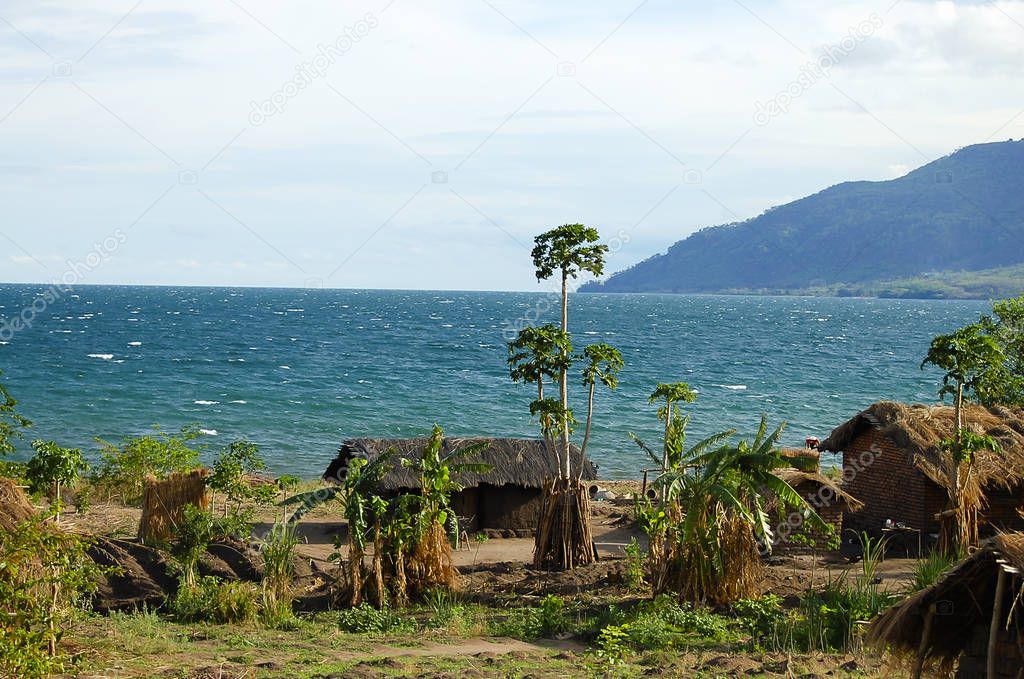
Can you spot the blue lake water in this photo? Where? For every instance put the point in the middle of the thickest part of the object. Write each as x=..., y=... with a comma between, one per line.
x=299, y=370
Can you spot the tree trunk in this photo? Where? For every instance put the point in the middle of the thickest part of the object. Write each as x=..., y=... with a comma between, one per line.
x=564, y=380
x=586, y=434
x=378, y=566
x=994, y=626
x=668, y=427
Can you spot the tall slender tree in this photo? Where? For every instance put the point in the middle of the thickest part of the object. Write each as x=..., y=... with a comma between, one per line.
x=542, y=355
x=972, y=361
x=567, y=251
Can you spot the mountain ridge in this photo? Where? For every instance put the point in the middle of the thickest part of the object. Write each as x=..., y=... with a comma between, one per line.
x=963, y=212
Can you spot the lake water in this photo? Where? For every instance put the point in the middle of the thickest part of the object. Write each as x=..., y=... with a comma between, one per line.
x=300, y=370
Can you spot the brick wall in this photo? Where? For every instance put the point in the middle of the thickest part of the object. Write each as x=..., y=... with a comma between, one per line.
x=879, y=474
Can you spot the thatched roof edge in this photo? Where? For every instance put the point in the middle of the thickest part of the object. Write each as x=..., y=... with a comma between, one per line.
x=919, y=429
x=514, y=462
x=795, y=477
x=966, y=589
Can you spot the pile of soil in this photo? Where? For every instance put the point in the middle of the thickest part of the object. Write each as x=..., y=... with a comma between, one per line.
x=137, y=575
x=489, y=580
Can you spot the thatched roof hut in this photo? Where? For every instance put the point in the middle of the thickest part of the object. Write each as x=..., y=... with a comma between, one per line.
x=826, y=496
x=918, y=430
x=892, y=460
x=505, y=497
x=952, y=622
x=513, y=462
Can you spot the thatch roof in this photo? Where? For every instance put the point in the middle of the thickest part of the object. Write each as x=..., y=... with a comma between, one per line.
x=918, y=430
x=962, y=598
x=15, y=507
x=799, y=477
x=513, y=462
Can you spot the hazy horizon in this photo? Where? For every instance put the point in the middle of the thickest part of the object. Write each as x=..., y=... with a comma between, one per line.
x=383, y=145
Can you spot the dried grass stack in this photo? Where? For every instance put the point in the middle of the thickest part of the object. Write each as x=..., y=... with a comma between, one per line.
x=164, y=502
x=15, y=507
x=564, y=540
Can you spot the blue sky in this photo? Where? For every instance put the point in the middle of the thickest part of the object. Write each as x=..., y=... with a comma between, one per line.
x=171, y=143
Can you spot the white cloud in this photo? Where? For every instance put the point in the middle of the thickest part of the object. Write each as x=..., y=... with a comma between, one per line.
x=457, y=88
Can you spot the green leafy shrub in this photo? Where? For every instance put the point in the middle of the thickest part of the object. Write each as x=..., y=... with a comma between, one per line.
x=45, y=579
x=927, y=571
x=208, y=599
x=365, y=619
x=11, y=423
x=231, y=477
x=123, y=469
x=612, y=643
x=760, y=617
x=53, y=468
x=544, y=621
x=636, y=566
x=683, y=617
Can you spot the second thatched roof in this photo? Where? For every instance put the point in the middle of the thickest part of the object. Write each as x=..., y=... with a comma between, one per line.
x=918, y=430
x=962, y=598
x=513, y=462
x=797, y=477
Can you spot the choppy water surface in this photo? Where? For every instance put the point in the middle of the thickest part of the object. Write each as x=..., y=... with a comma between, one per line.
x=300, y=370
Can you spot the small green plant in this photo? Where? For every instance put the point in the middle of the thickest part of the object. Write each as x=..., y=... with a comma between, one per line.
x=231, y=477
x=278, y=549
x=209, y=599
x=53, y=468
x=11, y=423
x=636, y=566
x=123, y=469
x=445, y=608
x=612, y=643
x=365, y=619
x=927, y=571
x=760, y=617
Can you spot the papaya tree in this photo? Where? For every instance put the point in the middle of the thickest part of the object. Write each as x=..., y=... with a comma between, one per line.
x=973, y=364
x=544, y=355
x=53, y=468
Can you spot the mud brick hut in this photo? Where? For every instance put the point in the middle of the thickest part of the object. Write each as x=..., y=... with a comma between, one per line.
x=970, y=620
x=892, y=463
x=824, y=495
x=506, y=498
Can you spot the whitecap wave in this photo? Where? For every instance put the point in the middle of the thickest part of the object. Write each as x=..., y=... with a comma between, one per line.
x=240, y=402
x=103, y=357
x=208, y=432
x=285, y=367
x=206, y=403
x=734, y=387
x=135, y=344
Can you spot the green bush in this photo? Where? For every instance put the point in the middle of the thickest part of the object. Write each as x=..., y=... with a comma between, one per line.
x=683, y=617
x=123, y=469
x=231, y=477
x=365, y=619
x=544, y=621
x=53, y=468
x=927, y=571
x=760, y=617
x=46, y=578
x=636, y=567
x=208, y=599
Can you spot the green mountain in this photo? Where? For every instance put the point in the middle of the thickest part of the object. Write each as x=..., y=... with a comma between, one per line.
x=921, y=235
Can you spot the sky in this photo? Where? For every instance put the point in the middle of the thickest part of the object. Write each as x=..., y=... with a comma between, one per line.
x=415, y=144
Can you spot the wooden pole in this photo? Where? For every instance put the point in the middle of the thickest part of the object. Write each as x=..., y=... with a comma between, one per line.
x=923, y=646
x=993, y=630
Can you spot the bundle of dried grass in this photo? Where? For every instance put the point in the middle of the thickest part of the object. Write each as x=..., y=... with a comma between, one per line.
x=15, y=507
x=430, y=564
x=720, y=574
x=164, y=502
x=563, y=539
